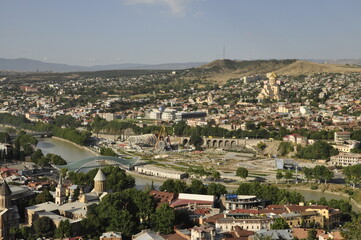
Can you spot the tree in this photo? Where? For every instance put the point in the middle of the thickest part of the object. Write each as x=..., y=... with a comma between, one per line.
x=64, y=229
x=322, y=173
x=269, y=192
x=55, y=159
x=284, y=148
x=197, y=187
x=37, y=155
x=216, y=189
x=351, y=230
x=180, y=127
x=44, y=196
x=279, y=175
x=44, y=227
x=196, y=140
x=262, y=146
x=63, y=172
x=107, y=152
x=288, y=175
x=353, y=174
x=128, y=212
x=175, y=186
x=318, y=150
x=216, y=175
x=163, y=219
x=242, y=172
x=117, y=179
x=279, y=224
x=312, y=234
x=250, y=125
x=308, y=172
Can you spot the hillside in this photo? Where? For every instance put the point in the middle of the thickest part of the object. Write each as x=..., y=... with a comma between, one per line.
x=306, y=68
x=220, y=71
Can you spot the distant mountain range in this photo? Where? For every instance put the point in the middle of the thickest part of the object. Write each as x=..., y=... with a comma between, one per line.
x=29, y=65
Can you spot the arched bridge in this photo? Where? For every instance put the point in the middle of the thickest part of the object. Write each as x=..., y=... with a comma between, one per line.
x=223, y=142
x=35, y=134
x=124, y=163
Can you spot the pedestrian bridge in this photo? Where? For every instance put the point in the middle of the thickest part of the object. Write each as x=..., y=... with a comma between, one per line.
x=125, y=163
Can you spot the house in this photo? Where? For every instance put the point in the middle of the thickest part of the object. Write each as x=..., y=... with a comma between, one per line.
x=295, y=139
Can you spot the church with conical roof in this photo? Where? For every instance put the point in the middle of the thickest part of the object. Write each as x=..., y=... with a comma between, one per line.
x=64, y=208
x=9, y=216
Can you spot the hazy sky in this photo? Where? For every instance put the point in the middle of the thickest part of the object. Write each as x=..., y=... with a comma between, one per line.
x=92, y=32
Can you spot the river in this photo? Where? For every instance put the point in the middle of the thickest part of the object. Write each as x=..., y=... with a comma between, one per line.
x=72, y=153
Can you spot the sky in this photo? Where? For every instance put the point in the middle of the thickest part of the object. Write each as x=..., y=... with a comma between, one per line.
x=99, y=32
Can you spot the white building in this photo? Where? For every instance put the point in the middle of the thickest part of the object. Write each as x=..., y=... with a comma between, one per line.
x=252, y=224
x=305, y=110
x=346, y=159
x=160, y=172
x=169, y=114
x=233, y=202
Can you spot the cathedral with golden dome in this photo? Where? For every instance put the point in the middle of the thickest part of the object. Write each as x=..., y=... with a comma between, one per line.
x=270, y=90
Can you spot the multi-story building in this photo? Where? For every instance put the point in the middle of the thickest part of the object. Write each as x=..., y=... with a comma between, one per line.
x=346, y=159
x=347, y=147
x=186, y=115
x=203, y=232
x=233, y=202
x=341, y=137
x=250, y=223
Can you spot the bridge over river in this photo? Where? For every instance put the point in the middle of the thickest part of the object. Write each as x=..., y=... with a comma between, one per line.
x=125, y=163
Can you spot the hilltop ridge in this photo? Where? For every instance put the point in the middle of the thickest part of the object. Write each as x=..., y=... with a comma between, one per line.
x=307, y=68
x=221, y=70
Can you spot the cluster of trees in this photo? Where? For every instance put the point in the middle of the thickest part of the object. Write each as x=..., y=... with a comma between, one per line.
x=117, y=179
x=113, y=127
x=128, y=212
x=107, y=152
x=318, y=150
x=39, y=158
x=351, y=230
x=45, y=227
x=343, y=205
x=356, y=149
x=285, y=148
x=286, y=175
x=71, y=134
x=279, y=224
x=353, y=174
x=196, y=187
x=270, y=193
x=356, y=135
x=66, y=121
x=242, y=172
x=22, y=146
x=4, y=137
x=201, y=171
x=319, y=173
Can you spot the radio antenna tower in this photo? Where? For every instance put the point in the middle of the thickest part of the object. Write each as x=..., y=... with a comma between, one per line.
x=224, y=52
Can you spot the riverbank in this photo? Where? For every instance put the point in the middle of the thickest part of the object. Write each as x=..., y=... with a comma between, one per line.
x=77, y=145
x=343, y=195
x=70, y=150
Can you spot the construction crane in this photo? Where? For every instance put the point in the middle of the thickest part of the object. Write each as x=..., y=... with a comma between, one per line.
x=163, y=140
